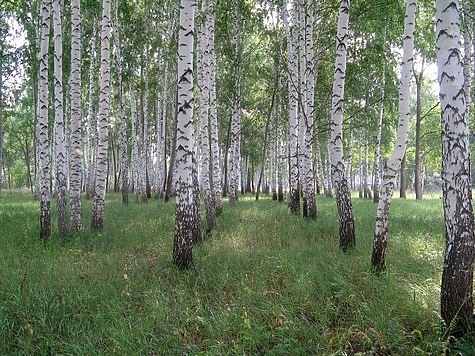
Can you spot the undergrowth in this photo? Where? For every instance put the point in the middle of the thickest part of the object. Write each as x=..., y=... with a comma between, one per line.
x=264, y=281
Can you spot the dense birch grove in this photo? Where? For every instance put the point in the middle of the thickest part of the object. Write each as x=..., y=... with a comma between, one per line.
x=192, y=101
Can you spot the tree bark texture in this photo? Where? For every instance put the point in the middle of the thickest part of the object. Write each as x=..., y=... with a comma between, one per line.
x=75, y=171
x=97, y=222
x=380, y=242
x=59, y=126
x=292, y=65
x=342, y=191
x=184, y=218
x=204, y=109
x=457, y=276
x=43, y=135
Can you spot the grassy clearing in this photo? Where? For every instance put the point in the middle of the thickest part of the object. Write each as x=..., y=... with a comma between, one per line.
x=264, y=282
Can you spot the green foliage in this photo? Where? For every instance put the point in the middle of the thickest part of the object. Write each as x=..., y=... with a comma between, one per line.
x=264, y=282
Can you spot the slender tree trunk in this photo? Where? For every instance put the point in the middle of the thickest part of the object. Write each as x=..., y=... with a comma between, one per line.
x=308, y=171
x=60, y=139
x=204, y=88
x=91, y=122
x=183, y=242
x=213, y=113
x=378, y=258
x=97, y=222
x=235, y=148
x=417, y=154
x=402, y=178
x=76, y=119
x=342, y=191
x=43, y=136
x=291, y=29
x=457, y=276
x=135, y=142
x=377, y=149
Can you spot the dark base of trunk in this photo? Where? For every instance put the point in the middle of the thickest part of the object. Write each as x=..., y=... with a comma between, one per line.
x=45, y=220
x=378, y=257
x=311, y=209
x=125, y=198
x=274, y=196
x=280, y=194
x=304, y=208
x=328, y=193
x=294, y=202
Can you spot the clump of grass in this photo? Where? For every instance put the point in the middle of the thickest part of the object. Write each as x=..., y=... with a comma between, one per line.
x=265, y=281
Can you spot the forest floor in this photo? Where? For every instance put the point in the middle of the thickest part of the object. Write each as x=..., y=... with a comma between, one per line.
x=264, y=282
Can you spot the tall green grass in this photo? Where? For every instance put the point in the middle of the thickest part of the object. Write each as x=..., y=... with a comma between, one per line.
x=265, y=281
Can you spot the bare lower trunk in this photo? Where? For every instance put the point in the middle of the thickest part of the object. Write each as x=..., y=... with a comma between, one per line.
x=343, y=196
x=76, y=120
x=456, y=298
x=43, y=136
x=97, y=220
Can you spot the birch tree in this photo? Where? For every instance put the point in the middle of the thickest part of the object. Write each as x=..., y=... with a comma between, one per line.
x=76, y=119
x=235, y=146
x=60, y=139
x=42, y=122
x=342, y=191
x=204, y=84
x=457, y=276
x=213, y=111
x=309, y=113
x=97, y=222
x=184, y=215
x=289, y=24
x=378, y=258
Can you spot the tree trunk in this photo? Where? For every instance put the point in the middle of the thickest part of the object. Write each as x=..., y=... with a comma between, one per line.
x=235, y=148
x=185, y=198
x=290, y=25
x=402, y=178
x=135, y=142
x=417, y=154
x=76, y=119
x=378, y=258
x=213, y=113
x=204, y=89
x=457, y=276
x=91, y=122
x=60, y=139
x=43, y=135
x=343, y=196
x=377, y=149
x=97, y=222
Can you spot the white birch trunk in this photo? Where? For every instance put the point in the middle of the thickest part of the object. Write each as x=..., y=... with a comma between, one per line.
x=60, y=139
x=97, y=222
x=43, y=136
x=213, y=113
x=294, y=195
x=76, y=119
x=184, y=218
x=235, y=149
x=457, y=276
x=91, y=122
x=377, y=149
x=135, y=142
x=204, y=78
x=378, y=258
x=343, y=196
x=308, y=171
